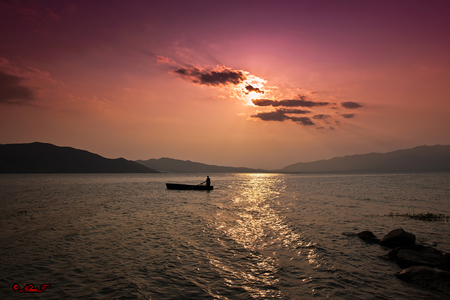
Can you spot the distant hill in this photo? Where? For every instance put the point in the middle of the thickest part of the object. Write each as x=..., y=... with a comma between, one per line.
x=422, y=158
x=48, y=158
x=185, y=166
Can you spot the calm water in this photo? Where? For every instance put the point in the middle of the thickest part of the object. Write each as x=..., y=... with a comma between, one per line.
x=114, y=236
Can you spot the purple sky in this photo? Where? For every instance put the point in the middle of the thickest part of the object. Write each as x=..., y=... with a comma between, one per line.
x=241, y=83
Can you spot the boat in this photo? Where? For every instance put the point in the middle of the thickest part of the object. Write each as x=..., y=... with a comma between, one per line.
x=178, y=186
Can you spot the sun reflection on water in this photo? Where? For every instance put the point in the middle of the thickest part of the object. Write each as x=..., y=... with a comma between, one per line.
x=258, y=224
x=253, y=221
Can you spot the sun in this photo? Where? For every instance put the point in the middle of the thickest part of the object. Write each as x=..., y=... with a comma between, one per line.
x=252, y=95
x=252, y=88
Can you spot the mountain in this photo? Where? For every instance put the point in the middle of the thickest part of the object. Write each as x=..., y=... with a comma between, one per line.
x=422, y=158
x=185, y=166
x=48, y=158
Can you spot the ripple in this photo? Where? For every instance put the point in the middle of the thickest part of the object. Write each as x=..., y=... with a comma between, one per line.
x=257, y=236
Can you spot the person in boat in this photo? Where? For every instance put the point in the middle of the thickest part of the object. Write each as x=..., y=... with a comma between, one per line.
x=207, y=181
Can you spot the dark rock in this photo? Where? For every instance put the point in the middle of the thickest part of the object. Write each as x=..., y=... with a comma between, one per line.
x=427, y=277
x=368, y=237
x=417, y=255
x=398, y=238
x=444, y=264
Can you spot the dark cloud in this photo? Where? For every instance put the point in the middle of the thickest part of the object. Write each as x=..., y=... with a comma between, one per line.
x=321, y=117
x=277, y=115
x=303, y=120
x=321, y=127
x=302, y=102
x=262, y=102
x=212, y=77
x=11, y=90
x=350, y=105
x=250, y=88
x=294, y=111
x=348, y=116
x=280, y=115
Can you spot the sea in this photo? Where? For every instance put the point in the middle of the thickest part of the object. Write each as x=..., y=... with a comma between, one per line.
x=255, y=236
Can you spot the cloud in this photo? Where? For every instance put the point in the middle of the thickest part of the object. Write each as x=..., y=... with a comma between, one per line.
x=301, y=102
x=303, y=120
x=218, y=77
x=277, y=115
x=348, y=116
x=294, y=111
x=321, y=117
x=11, y=92
x=263, y=102
x=280, y=115
x=164, y=59
x=241, y=85
x=250, y=88
x=350, y=105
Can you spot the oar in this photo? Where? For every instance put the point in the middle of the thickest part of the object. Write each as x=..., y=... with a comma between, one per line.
x=196, y=185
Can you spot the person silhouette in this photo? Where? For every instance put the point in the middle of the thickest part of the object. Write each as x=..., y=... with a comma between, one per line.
x=208, y=181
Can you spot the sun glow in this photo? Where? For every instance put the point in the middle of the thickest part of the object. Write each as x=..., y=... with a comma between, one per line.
x=251, y=88
x=251, y=96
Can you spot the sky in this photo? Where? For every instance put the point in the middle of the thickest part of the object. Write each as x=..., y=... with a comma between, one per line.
x=260, y=84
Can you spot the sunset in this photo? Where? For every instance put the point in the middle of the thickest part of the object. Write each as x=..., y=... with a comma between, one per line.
x=255, y=83
x=225, y=149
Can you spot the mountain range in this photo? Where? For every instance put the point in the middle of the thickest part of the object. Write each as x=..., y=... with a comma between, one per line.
x=171, y=165
x=47, y=158
x=421, y=158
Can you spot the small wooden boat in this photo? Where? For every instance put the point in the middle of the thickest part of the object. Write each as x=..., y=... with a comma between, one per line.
x=177, y=186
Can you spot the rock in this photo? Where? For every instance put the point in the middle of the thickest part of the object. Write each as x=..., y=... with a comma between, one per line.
x=444, y=264
x=427, y=277
x=398, y=238
x=368, y=237
x=417, y=255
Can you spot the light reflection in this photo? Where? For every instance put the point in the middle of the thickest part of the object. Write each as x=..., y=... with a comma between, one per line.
x=253, y=221
x=259, y=225
x=251, y=276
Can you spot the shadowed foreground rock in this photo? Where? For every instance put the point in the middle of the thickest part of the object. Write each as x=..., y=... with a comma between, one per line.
x=427, y=277
x=426, y=267
x=445, y=263
x=368, y=237
x=417, y=255
x=398, y=238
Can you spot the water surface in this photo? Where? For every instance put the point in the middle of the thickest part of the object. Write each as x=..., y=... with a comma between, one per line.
x=255, y=236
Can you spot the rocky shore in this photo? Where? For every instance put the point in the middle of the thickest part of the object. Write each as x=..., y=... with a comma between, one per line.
x=423, y=266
